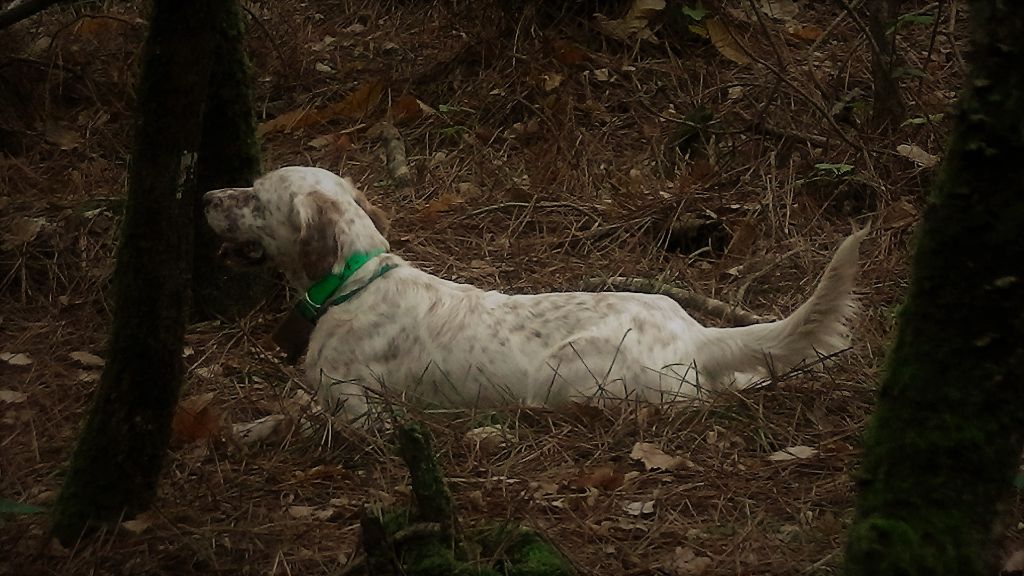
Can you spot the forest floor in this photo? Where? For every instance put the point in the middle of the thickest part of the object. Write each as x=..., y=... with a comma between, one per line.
x=545, y=152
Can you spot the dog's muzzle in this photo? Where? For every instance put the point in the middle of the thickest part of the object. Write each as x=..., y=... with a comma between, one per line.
x=243, y=254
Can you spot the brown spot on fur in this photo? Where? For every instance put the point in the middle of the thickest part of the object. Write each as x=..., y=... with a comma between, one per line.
x=377, y=216
x=392, y=351
x=318, y=243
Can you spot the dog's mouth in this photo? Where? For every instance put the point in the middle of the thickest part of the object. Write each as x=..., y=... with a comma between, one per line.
x=243, y=254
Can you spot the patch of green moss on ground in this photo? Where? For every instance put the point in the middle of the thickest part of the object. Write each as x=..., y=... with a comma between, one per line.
x=521, y=552
x=502, y=551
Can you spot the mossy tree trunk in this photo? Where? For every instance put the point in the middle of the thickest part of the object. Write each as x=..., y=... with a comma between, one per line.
x=433, y=500
x=229, y=156
x=115, y=466
x=945, y=440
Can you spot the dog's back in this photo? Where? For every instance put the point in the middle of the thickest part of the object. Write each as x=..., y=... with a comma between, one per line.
x=456, y=345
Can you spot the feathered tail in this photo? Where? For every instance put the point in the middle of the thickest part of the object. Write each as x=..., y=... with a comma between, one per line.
x=818, y=327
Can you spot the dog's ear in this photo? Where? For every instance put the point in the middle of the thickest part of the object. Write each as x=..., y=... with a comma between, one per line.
x=319, y=249
x=377, y=216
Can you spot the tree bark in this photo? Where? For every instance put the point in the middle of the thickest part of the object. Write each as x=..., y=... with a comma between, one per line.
x=229, y=156
x=114, y=469
x=888, y=107
x=945, y=440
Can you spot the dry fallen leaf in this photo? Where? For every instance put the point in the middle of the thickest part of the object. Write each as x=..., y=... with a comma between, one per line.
x=406, y=110
x=900, y=214
x=356, y=105
x=917, y=155
x=443, y=203
x=780, y=9
x=12, y=396
x=65, y=138
x=654, y=459
x=476, y=498
x=263, y=430
x=724, y=41
x=16, y=359
x=805, y=32
x=568, y=53
x=538, y=490
x=87, y=359
x=22, y=231
x=602, y=477
x=196, y=419
x=793, y=453
x=311, y=512
x=210, y=372
x=139, y=524
x=488, y=439
x=321, y=142
x=96, y=30
x=638, y=508
x=550, y=81
x=685, y=562
x=322, y=44
x=467, y=189
x=634, y=23
x=87, y=376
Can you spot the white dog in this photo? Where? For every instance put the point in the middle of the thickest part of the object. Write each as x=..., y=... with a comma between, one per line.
x=380, y=323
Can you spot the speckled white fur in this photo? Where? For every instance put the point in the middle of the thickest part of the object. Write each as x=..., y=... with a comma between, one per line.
x=455, y=345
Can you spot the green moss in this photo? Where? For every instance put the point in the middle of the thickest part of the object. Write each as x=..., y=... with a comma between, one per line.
x=430, y=558
x=945, y=439
x=503, y=550
x=533, y=556
x=433, y=501
x=517, y=551
x=115, y=467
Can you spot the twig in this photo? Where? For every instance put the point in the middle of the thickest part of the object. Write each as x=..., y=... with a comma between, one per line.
x=727, y=312
x=270, y=37
x=828, y=30
x=23, y=10
x=495, y=207
x=931, y=45
x=763, y=126
x=872, y=41
x=818, y=106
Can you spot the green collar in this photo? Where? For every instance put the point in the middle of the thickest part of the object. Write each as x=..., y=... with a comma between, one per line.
x=318, y=298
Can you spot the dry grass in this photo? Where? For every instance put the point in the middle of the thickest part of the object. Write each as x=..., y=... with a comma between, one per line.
x=517, y=187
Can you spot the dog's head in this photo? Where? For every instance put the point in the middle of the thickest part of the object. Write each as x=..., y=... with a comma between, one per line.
x=307, y=220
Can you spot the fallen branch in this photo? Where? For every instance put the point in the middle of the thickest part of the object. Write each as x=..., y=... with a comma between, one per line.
x=430, y=491
x=394, y=146
x=727, y=312
x=23, y=10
